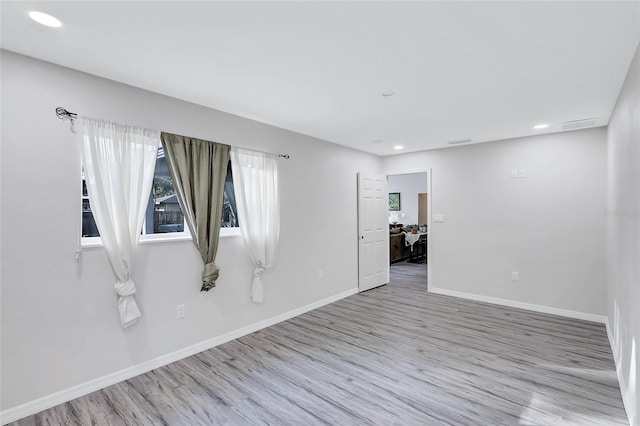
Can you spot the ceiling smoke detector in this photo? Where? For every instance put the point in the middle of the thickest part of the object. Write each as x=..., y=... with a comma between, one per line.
x=458, y=142
x=579, y=124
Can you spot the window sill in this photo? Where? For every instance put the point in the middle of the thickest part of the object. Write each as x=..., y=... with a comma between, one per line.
x=230, y=232
x=90, y=242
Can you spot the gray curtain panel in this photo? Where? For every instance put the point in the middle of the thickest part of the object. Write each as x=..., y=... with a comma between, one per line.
x=199, y=169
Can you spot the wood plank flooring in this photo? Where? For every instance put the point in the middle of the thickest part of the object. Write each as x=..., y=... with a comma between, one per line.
x=395, y=355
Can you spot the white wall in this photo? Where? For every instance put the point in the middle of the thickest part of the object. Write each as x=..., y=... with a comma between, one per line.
x=623, y=238
x=547, y=226
x=409, y=186
x=60, y=326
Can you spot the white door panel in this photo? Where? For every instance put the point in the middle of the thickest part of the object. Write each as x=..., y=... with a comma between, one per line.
x=373, y=229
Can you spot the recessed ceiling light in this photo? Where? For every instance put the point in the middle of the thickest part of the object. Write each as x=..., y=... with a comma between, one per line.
x=388, y=93
x=540, y=126
x=45, y=19
x=398, y=147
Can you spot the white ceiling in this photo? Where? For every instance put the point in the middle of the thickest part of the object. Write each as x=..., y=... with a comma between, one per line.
x=460, y=70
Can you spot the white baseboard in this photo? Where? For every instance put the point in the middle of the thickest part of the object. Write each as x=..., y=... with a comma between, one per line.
x=614, y=348
x=40, y=404
x=615, y=352
x=602, y=319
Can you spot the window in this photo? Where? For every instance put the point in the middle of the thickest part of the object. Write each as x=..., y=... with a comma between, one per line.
x=164, y=215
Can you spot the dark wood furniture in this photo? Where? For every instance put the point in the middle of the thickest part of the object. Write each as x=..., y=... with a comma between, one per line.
x=397, y=249
x=420, y=249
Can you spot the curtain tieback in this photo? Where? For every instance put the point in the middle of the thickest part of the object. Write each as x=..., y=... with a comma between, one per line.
x=127, y=307
x=210, y=274
x=257, y=290
x=124, y=289
x=258, y=271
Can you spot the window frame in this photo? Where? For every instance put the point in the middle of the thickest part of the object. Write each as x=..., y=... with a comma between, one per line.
x=164, y=237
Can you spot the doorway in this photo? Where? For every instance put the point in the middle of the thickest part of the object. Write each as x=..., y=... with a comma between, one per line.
x=409, y=226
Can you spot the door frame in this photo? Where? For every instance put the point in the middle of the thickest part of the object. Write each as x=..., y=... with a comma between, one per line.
x=429, y=173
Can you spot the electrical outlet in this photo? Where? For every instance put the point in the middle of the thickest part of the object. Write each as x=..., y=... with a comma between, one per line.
x=522, y=172
x=514, y=276
x=320, y=274
x=180, y=312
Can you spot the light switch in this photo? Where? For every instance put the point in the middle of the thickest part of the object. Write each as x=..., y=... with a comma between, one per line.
x=514, y=173
x=438, y=218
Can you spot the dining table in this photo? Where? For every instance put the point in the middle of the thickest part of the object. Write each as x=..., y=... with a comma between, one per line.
x=410, y=238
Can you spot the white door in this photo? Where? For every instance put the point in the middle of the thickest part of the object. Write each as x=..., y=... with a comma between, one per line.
x=373, y=229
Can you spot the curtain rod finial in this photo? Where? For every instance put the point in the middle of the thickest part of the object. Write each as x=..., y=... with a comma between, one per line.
x=285, y=156
x=63, y=114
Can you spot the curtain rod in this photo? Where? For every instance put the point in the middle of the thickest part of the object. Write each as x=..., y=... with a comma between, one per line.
x=63, y=114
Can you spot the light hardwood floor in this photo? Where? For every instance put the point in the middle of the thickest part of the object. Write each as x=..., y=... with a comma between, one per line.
x=395, y=355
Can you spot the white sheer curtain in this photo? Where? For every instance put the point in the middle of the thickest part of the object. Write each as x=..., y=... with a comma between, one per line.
x=255, y=181
x=119, y=163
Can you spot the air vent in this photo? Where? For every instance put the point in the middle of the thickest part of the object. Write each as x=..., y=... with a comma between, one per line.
x=579, y=124
x=459, y=142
